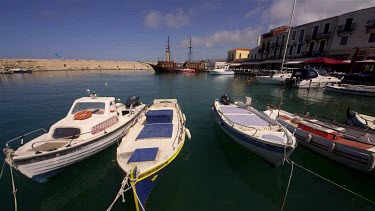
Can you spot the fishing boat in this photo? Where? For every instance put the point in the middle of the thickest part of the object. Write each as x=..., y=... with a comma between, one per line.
x=92, y=124
x=275, y=79
x=18, y=70
x=151, y=146
x=185, y=70
x=355, y=150
x=360, y=120
x=222, y=71
x=254, y=130
x=310, y=78
x=361, y=90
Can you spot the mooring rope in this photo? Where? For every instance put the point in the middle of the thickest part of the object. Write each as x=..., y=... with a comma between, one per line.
x=321, y=177
x=287, y=188
x=2, y=170
x=14, y=188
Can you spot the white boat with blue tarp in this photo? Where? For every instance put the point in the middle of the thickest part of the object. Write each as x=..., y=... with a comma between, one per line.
x=92, y=124
x=254, y=130
x=151, y=145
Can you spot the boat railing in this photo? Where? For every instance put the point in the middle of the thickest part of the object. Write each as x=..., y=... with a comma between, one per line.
x=242, y=127
x=72, y=137
x=21, y=137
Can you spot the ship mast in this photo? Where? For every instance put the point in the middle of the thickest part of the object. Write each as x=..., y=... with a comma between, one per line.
x=168, y=52
x=190, y=51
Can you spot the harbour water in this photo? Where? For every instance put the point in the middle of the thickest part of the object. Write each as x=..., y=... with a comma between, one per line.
x=212, y=172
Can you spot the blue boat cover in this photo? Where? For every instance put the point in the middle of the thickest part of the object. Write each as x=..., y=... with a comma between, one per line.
x=159, y=116
x=273, y=138
x=156, y=131
x=247, y=120
x=233, y=110
x=144, y=154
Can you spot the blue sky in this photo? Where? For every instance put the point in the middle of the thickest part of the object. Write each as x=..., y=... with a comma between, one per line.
x=135, y=30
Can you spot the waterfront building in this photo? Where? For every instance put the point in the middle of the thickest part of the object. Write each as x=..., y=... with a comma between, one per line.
x=238, y=54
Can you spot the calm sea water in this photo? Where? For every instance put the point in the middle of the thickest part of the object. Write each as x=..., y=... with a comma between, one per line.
x=212, y=172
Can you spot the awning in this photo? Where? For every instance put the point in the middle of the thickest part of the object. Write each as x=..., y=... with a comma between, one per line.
x=273, y=61
x=298, y=61
x=235, y=64
x=325, y=60
x=366, y=61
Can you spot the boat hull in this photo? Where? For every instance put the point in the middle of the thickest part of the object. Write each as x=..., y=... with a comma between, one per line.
x=349, y=91
x=159, y=69
x=41, y=168
x=212, y=72
x=271, y=153
x=353, y=157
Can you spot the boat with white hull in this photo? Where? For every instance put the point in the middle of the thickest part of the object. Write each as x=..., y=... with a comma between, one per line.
x=310, y=78
x=360, y=120
x=151, y=146
x=254, y=130
x=355, y=150
x=92, y=124
x=222, y=71
x=361, y=90
x=276, y=79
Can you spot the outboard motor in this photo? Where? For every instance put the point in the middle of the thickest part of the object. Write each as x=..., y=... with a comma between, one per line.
x=225, y=99
x=132, y=101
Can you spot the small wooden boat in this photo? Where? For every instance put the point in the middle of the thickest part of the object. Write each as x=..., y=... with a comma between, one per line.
x=360, y=120
x=254, y=130
x=151, y=145
x=361, y=90
x=92, y=124
x=353, y=150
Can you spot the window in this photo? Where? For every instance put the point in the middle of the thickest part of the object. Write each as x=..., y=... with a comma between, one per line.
x=290, y=49
x=299, y=49
x=277, y=39
x=315, y=31
x=322, y=45
x=372, y=37
x=283, y=38
x=240, y=56
x=348, y=23
x=344, y=40
x=294, y=35
x=255, y=56
x=326, y=28
x=301, y=34
x=95, y=107
x=67, y=133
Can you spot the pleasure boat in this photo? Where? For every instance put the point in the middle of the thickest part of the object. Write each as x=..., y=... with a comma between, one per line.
x=348, y=146
x=361, y=90
x=185, y=70
x=276, y=79
x=222, y=71
x=151, y=146
x=309, y=78
x=254, y=130
x=92, y=124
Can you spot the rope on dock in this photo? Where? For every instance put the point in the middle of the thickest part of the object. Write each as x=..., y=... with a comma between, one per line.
x=323, y=178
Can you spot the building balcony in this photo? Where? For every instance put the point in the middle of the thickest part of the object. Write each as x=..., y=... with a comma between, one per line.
x=346, y=28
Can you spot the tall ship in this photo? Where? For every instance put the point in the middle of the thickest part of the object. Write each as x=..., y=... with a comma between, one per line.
x=169, y=66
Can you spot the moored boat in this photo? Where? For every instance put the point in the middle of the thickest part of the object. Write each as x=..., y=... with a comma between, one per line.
x=254, y=130
x=361, y=90
x=222, y=71
x=185, y=70
x=92, y=124
x=353, y=150
x=310, y=78
x=276, y=79
x=151, y=146
x=360, y=120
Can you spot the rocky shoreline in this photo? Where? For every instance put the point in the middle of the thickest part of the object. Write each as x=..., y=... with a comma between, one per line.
x=65, y=64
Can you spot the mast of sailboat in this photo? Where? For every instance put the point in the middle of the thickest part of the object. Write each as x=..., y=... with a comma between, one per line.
x=190, y=51
x=287, y=38
x=168, y=52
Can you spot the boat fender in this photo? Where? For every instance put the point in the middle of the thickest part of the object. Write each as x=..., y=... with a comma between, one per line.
x=372, y=162
x=308, y=138
x=184, y=117
x=188, y=134
x=333, y=145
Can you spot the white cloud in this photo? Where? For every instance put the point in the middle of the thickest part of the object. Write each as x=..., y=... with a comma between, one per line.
x=253, y=12
x=278, y=13
x=153, y=19
x=177, y=19
x=244, y=37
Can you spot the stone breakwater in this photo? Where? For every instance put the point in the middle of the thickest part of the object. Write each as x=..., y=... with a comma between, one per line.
x=60, y=64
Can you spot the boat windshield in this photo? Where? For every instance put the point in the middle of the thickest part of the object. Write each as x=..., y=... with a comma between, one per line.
x=94, y=107
x=66, y=133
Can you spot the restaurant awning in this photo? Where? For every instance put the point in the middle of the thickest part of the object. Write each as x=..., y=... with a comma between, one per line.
x=298, y=61
x=366, y=61
x=325, y=60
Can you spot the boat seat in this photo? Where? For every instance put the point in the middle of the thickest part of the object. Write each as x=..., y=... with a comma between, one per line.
x=274, y=138
x=156, y=131
x=233, y=110
x=250, y=120
x=144, y=154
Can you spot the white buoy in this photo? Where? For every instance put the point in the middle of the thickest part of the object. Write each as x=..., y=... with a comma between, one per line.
x=188, y=134
x=105, y=84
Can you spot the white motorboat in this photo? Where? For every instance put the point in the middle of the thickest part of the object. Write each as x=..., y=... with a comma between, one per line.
x=254, y=130
x=361, y=90
x=92, y=124
x=151, y=146
x=277, y=79
x=360, y=120
x=222, y=71
x=310, y=78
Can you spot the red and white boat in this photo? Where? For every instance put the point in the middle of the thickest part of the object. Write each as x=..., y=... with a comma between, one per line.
x=355, y=150
x=185, y=70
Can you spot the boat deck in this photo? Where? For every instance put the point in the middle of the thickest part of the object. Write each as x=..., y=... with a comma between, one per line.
x=242, y=116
